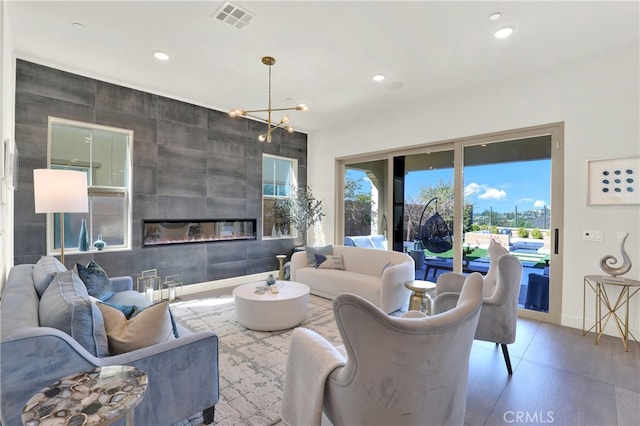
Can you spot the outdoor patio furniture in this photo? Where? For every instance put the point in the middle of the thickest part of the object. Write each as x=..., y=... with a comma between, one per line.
x=447, y=264
x=537, y=293
x=434, y=234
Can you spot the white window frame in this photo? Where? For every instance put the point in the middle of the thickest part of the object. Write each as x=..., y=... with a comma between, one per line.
x=293, y=178
x=95, y=190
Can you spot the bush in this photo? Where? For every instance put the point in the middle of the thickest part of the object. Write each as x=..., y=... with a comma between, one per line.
x=494, y=229
x=523, y=233
x=536, y=233
x=475, y=227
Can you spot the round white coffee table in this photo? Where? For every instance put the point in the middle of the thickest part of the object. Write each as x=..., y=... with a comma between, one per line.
x=271, y=311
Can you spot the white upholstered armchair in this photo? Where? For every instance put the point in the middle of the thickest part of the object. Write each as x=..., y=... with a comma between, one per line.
x=499, y=313
x=409, y=370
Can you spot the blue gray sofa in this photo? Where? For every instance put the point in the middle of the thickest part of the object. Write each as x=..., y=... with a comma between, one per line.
x=182, y=373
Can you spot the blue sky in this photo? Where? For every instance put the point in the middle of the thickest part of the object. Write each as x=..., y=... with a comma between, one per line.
x=502, y=187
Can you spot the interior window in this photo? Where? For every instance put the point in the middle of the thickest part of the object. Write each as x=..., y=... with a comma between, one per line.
x=279, y=183
x=104, y=154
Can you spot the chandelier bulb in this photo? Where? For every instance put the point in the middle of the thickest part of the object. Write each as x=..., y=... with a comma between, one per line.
x=302, y=107
x=262, y=138
x=289, y=129
x=285, y=119
x=236, y=112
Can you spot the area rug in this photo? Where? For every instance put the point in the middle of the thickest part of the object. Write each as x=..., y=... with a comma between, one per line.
x=251, y=363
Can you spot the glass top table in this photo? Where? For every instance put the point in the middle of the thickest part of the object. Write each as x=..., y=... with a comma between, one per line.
x=95, y=397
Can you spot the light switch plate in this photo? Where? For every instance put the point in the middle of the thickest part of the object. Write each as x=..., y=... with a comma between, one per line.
x=592, y=235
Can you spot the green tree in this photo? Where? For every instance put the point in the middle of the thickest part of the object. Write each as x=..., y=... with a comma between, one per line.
x=357, y=207
x=412, y=211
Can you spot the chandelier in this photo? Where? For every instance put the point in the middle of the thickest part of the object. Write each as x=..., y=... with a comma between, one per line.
x=271, y=125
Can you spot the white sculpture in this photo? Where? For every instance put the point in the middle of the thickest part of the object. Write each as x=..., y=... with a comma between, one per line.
x=607, y=263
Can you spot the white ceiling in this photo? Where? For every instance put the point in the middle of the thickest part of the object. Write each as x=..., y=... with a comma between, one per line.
x=326, y=51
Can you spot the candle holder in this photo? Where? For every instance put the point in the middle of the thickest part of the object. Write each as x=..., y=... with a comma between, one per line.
x=174, y=287
x=148, y=283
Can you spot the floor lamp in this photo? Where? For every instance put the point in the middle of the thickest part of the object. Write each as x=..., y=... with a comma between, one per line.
x=60, y=191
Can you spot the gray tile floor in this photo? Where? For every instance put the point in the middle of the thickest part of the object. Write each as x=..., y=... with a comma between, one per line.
x=560, y=377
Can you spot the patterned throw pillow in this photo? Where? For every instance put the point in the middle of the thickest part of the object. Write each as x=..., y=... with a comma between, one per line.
x=329, y=261
x=96, y=280
x=312, y=251
x=150, y=326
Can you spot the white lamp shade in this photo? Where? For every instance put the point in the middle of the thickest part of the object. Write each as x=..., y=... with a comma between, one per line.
x=60, y=191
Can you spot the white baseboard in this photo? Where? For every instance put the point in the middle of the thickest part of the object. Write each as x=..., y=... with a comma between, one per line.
x=611, y=329
x=220, y=284
x=227, y=282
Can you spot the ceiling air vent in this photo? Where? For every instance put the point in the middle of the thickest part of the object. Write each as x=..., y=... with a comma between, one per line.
x=233, y=15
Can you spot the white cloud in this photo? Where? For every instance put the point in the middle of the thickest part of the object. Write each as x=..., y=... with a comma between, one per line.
x=539, y=204
x=472, y=188
x=493, y=194
x=524, y=200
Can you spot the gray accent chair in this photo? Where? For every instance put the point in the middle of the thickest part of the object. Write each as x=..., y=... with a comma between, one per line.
x=409, y=370
x=499, y=313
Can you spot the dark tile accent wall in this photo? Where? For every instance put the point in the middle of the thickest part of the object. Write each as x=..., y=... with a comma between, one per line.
x=188, y=162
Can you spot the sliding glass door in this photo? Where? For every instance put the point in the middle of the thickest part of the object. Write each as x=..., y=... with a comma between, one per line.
x=447, y=201
x=507, y=189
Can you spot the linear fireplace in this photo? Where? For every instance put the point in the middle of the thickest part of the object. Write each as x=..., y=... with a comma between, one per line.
x=163, y=232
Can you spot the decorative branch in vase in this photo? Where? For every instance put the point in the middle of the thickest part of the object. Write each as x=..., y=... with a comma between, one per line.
x=306, y=211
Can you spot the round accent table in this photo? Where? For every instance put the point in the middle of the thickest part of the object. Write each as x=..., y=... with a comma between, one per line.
x=269, y=311
x=420, y=299
x=95, y=397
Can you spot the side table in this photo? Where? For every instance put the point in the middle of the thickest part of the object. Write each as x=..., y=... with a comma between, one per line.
x=420, y=299
x=281, y=258
x=628, y=289
x=95, y=397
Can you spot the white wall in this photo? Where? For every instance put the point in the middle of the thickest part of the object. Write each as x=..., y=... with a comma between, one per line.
x=7, y=114
x=598, y=100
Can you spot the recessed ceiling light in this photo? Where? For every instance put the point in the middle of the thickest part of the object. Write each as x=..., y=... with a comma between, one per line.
x=495, y=16
x=504, y=32
x=160, y=55
x=377, y=77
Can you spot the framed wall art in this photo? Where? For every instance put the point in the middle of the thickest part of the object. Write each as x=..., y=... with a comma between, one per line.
x=614, y=181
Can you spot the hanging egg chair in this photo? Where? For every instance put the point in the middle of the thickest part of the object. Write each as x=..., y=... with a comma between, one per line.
x=434, y=233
